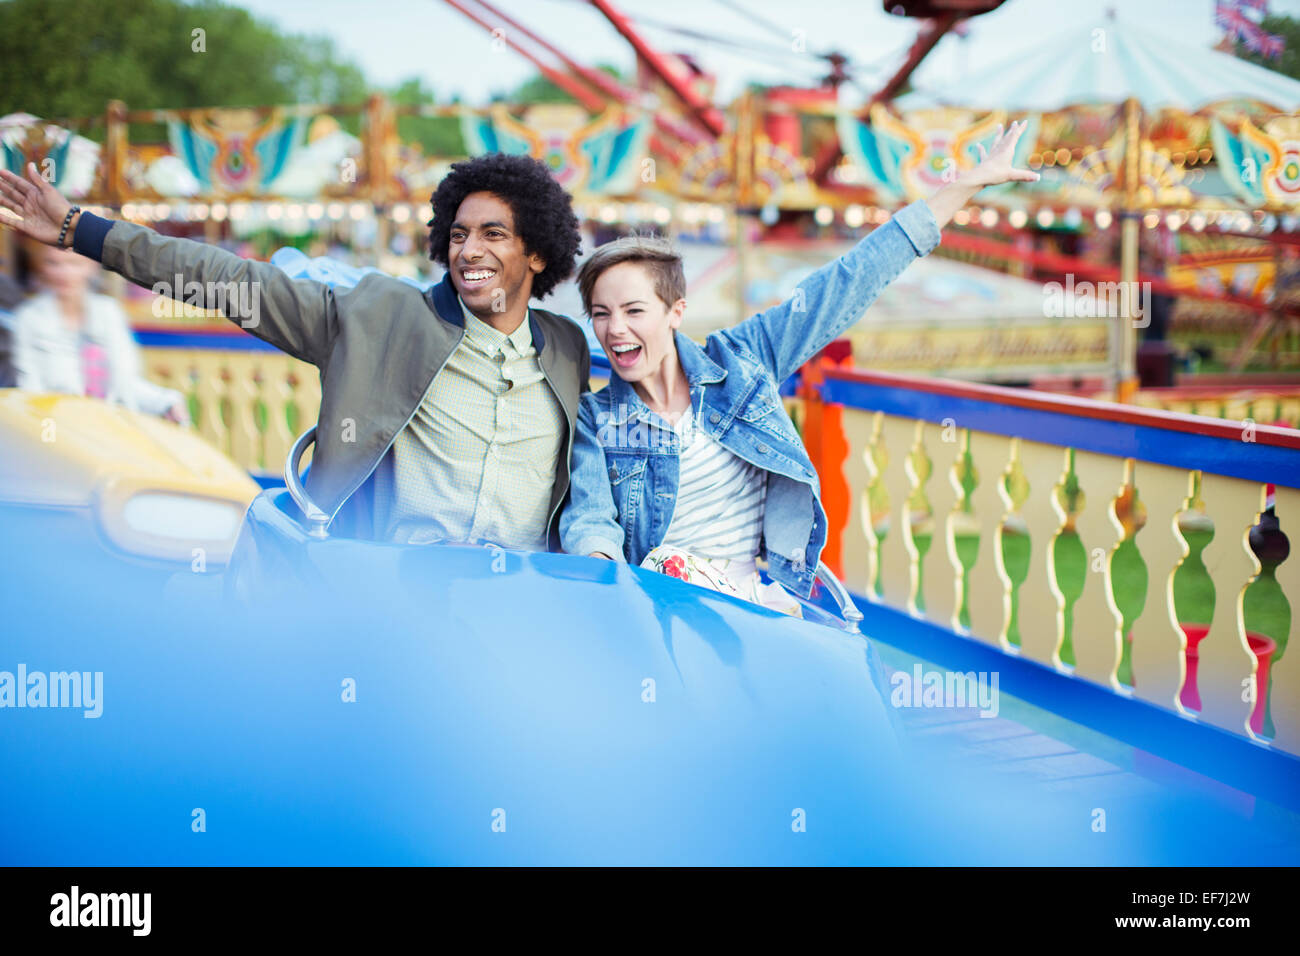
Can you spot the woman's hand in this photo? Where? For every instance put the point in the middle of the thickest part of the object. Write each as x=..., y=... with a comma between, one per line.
x=993, y=168
x=41, y=206
x=600, y=554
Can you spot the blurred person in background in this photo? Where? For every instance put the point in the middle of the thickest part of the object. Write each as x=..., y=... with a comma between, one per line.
x=67, y=338
x=11, y=296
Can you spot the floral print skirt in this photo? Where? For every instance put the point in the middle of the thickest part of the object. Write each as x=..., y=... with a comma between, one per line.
x=748, y=585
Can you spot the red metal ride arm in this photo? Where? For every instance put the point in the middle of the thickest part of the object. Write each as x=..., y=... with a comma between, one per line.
x=925, y=42
x=582, y=94
x=701, y=110
x=596, y=78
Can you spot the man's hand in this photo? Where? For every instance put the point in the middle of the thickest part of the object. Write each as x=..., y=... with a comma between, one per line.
x=179, y=413
x=993, y=169
x=41, y=206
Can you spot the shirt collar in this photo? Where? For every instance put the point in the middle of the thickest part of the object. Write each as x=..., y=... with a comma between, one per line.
x=521, y=338
x=699, y=368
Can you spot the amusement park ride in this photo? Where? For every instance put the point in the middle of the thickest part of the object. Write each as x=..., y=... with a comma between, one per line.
x=775, y=179
x=783, y=156
x=977, y=529
x=677, y=90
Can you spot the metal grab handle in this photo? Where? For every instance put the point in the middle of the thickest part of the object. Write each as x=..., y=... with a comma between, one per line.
x=848, y=610
x=317, y=520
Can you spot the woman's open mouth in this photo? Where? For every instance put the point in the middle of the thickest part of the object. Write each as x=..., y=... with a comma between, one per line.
x=626, y=355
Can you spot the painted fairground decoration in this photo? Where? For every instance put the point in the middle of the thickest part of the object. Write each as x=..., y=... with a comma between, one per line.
x=1261, y=164
x=909, y=159
x=1238, y=267
x=252, y=153
x=234, y=151
x=69, y=161
x=601, y=156
x=1230, y=154
x=778, y=179
x=1160, y=181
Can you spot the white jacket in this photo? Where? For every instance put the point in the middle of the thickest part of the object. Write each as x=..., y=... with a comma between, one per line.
x=47, y=353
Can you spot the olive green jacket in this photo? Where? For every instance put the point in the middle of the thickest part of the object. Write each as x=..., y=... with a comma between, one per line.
x=378, y=345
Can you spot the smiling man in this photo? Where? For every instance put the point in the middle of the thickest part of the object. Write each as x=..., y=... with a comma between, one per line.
x=446, y=415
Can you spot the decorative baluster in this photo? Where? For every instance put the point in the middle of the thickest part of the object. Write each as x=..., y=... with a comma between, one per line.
x=1263, y=409
x=211, y=390
x=187, y=370
x=1098, y=622
x=277, y=395
x=859, y=555
x=1041, y=605
x=1284, y=696
x=989, y=597
x=897, y=550
x=245, y=438
x=306, y=393
x=160, y=367
x=168, y=368
x=943, y=570
x=1288, y=410
x=1159, y=644
x=1225, y=662
x=1237, y=410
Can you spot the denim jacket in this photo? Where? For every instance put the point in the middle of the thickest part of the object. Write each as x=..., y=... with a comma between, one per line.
x=625, y=458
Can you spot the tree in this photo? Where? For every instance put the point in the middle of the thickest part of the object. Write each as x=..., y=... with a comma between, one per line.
x=539, y=89
x=1289, y=62
x=68, y=58
x=437, y=135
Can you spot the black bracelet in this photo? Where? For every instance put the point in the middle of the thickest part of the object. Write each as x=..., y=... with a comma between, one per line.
x=67, y=221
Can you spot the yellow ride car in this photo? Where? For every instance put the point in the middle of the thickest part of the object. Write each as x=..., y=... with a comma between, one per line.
x=89, y=473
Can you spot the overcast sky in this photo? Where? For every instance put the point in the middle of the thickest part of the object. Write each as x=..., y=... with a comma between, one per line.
x=395, y=39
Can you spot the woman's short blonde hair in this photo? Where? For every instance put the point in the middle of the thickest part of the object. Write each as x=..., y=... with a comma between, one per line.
x=659, y=257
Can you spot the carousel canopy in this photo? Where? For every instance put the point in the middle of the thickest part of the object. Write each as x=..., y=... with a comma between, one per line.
x=1109, y=61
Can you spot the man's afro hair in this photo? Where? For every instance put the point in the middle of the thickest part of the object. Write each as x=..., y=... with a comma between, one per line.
x=543, y=211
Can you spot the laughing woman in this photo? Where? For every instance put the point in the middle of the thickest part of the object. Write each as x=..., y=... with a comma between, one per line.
x=687, y=462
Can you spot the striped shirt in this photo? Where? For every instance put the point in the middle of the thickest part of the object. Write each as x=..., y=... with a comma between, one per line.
x=477, y=461
x=720, y=498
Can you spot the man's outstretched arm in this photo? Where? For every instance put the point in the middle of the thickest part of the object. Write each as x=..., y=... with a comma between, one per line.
x=295, y=315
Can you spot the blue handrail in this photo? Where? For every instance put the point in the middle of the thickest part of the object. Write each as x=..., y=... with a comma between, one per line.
x=1259, y=453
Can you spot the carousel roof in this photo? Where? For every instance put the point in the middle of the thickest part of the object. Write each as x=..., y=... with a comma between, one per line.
x=1156, y=68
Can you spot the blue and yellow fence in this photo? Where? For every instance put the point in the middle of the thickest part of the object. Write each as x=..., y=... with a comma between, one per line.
x=246, y=397
x=1020, y=520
